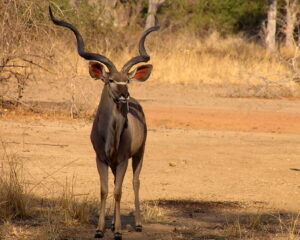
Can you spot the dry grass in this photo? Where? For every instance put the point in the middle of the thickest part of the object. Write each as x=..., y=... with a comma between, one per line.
x=214, y=59
x=189, y=59
x=14, y=202
x=21, y=210
x=240, y=67
x=243, y=227
x=267, y=226
x=192, y=219
x=74, y=207
x=152, y=213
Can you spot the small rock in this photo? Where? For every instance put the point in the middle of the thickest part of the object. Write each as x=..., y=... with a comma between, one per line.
x=172, y=164
x=129, y=228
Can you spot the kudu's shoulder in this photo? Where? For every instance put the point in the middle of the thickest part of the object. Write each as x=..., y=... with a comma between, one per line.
x=135, y=106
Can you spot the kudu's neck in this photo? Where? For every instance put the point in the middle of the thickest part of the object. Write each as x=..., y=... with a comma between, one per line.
x=113, y=119
x=108, y=106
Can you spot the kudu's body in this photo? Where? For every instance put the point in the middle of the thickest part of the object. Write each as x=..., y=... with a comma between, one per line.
x=119, y=130
x=118, y=133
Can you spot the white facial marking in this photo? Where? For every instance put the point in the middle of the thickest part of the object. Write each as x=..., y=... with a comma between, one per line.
x=121, y=83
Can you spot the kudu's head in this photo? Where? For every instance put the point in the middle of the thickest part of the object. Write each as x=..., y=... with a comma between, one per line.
x=115, y=80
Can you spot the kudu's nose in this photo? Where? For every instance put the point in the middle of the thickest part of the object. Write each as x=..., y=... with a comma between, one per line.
x=126, y=95
x=123, y=91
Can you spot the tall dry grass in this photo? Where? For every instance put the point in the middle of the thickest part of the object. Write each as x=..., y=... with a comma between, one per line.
x=243, y=68
x=216, y=60
x=239, y=67
x=260, y=226
x=26, y=215
x=75, y=208
x=14, y=201
x=210, y=60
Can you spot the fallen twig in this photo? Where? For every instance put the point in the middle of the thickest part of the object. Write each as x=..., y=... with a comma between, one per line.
x=17, y=66
x=42, y=144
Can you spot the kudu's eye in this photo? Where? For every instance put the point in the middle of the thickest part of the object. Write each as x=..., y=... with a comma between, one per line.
x=111, y=81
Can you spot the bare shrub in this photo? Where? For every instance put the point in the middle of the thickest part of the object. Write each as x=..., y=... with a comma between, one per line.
x=20, y=29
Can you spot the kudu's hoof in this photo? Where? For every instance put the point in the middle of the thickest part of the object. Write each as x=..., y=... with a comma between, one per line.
x=112, y=227
x=99, y=234
x=118, y=236
x=138, y=228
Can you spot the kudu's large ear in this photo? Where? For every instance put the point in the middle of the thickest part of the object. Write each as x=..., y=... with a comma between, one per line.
x=141, y=73
x=97, y=71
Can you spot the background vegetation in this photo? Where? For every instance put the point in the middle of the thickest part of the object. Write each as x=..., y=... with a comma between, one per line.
x=215, y=42
x=224, y=16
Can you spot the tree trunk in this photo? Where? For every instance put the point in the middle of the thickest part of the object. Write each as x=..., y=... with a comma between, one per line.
x=153, y=6
x=271, y=25
x=123, y=12
x=73, y=3
x=291, y=17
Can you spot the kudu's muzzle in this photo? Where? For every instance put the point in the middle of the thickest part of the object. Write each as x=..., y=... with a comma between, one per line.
x=119, y=92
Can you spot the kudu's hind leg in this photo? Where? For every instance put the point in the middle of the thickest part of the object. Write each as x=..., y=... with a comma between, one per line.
x=103, y=173
x=137, y=162
x=120, y=173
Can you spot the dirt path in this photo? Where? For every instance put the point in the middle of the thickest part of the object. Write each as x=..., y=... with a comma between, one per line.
x=194, y=154
x=223, y=119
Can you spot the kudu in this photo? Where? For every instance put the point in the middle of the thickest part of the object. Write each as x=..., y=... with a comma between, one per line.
x=119, y=130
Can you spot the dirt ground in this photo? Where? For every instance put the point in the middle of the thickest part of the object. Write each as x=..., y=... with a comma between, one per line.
x=207, y=158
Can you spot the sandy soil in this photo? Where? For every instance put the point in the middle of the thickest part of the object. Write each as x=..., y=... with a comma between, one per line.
x=200, y=150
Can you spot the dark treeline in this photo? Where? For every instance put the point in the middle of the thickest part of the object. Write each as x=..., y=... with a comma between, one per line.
x=122, y=19
x=225, y=16
x=200, y=16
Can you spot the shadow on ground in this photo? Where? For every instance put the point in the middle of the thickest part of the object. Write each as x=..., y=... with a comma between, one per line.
x=164, y=219
x=226, y=220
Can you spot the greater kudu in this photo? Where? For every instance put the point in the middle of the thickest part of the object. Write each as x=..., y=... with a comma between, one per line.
x=119, y=130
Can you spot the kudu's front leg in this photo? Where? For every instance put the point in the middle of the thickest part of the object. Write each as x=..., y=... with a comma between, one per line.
x=120, y=173
x=137, y=162
x=103, y=173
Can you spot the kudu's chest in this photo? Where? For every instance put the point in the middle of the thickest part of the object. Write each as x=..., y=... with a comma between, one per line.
x=115, y=141
x=108, y=137
x=117, y=136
